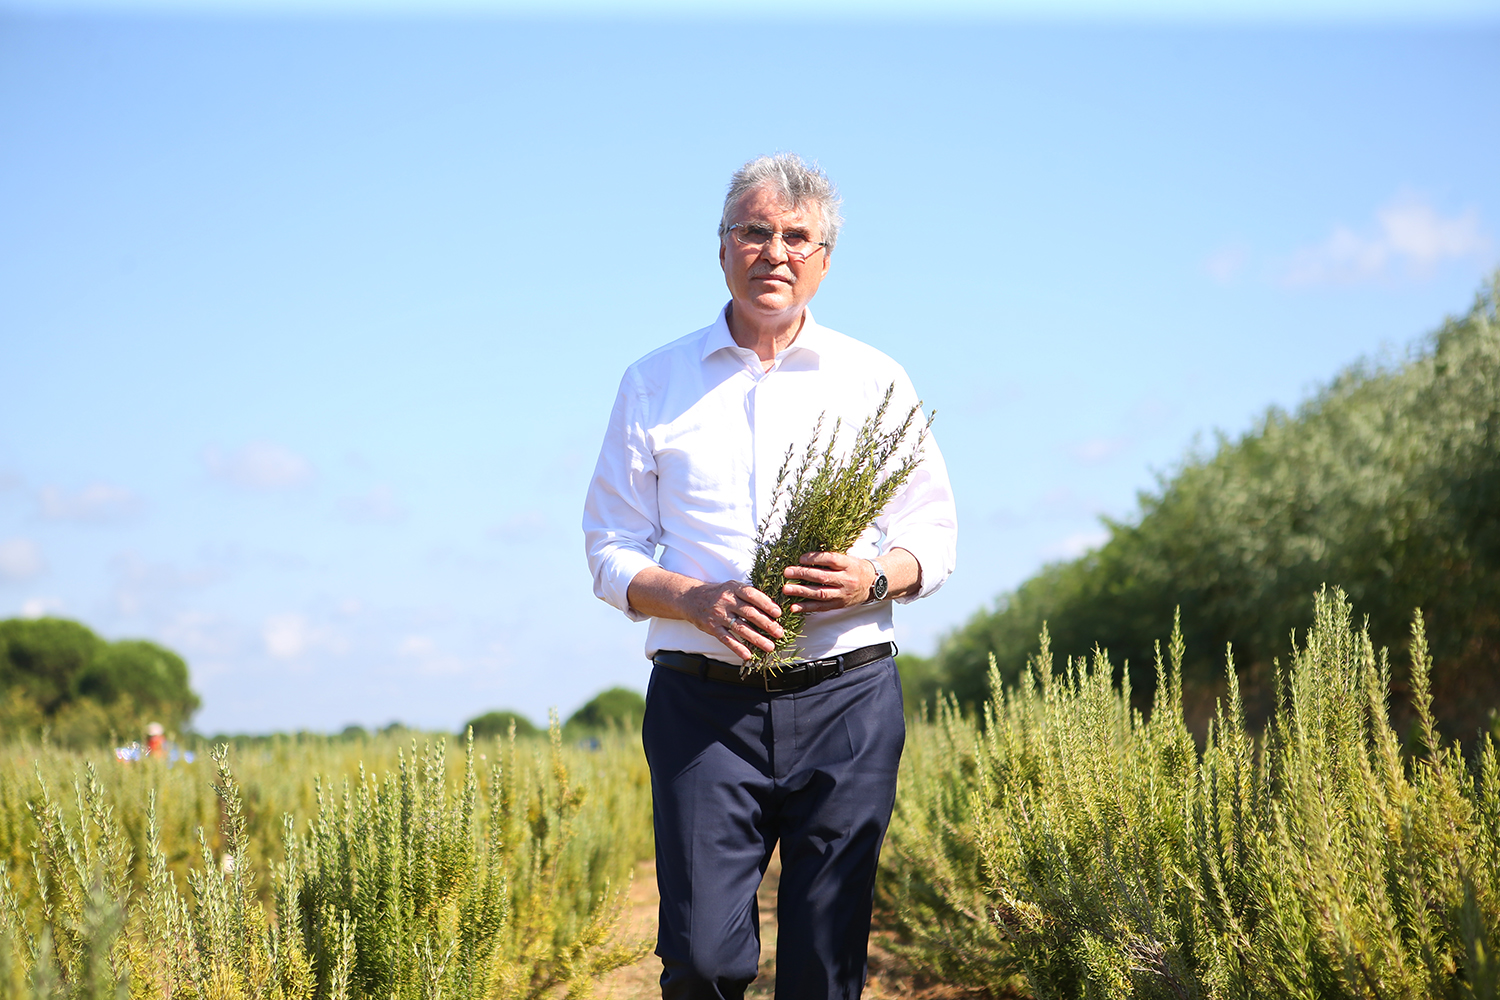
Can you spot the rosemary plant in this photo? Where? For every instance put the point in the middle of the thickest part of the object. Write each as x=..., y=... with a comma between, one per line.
x=828, y=503
x=1065, y=845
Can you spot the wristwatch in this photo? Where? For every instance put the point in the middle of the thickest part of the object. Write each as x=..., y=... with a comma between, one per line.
x=881, y=586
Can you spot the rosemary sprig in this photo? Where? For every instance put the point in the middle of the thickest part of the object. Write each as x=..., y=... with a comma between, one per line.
x=826, y=504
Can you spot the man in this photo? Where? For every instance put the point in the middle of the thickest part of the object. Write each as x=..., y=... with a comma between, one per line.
x=807, y=758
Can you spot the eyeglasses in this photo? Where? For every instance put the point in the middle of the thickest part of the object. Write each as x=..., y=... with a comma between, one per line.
x=797, y=244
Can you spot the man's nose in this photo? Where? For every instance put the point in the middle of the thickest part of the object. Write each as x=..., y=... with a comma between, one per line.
x=775, y=248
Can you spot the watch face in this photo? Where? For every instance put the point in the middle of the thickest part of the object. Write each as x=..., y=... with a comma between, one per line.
x=879, y=587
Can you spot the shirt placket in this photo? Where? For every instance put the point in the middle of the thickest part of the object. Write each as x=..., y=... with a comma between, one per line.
x=760, y=411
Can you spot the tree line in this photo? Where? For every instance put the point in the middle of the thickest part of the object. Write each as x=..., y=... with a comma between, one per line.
x=59, y=678
x=1386, y=482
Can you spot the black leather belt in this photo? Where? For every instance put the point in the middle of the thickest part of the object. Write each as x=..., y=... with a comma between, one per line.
x=794, y=677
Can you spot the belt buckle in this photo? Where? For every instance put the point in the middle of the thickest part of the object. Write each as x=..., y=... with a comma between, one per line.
x=781, y=680
x=807, y=672
x=767, y=678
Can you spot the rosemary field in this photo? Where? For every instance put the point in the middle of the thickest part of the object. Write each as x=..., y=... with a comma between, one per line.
x=1060, y=844
x=500, y=875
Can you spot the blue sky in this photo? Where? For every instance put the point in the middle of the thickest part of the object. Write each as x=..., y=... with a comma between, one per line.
x=311, y=314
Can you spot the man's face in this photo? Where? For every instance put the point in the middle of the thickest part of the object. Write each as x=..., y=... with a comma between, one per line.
x=769, y=282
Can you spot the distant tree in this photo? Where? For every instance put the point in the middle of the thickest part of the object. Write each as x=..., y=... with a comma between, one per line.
x=43, y=659
x=57, y=674
x=920, y=682
x=153, y=677
x=498, y=723
x=618, y=706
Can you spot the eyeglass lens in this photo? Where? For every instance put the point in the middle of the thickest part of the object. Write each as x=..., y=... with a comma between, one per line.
x=758, y=236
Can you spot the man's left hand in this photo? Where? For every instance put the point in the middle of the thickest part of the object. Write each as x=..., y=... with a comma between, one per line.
x=827, y=581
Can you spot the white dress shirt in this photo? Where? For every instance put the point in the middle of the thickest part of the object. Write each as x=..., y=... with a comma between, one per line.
x=695, y=440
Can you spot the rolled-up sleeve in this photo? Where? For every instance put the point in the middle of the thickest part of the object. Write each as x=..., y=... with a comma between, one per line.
x=922, y=518
x=621, y=523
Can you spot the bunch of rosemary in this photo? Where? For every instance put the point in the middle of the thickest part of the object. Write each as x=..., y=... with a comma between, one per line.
x=827, y=504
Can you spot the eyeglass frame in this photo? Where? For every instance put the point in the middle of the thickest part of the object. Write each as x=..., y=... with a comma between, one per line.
x=776, y=234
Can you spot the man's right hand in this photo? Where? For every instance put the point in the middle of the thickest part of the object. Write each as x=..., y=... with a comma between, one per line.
x=733, y=612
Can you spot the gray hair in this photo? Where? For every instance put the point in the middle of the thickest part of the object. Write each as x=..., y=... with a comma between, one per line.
x=795, y=181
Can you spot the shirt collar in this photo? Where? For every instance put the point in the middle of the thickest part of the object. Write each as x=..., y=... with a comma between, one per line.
x=810, y=338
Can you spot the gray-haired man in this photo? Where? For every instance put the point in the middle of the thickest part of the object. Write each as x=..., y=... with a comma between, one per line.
x=698, y=430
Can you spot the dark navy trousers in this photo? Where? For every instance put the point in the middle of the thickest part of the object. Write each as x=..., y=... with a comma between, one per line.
x=734, y=771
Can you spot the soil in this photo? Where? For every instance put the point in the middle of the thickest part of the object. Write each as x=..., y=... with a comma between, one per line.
x=888, y=979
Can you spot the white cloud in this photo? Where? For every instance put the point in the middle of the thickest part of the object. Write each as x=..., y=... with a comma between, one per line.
x=202, y=633
x=1059, y=502
x=1409, y=239
x=97, y=502
x=429, y=661
x=259, y=465
x=378, y=505
x=288, y=636
x=1101, y=449
x=417, y=645
x=991, y=397
x=527, y=526
x=142, y=586
x=41, y=607
x=20, y=559
x=1077, y=544
x=1226, y=263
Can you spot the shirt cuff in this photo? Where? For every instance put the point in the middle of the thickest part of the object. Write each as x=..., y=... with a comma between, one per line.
x=934, y=554
x=614, y=579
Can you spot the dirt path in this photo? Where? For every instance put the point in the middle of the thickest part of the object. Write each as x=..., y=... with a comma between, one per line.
x=641, y=981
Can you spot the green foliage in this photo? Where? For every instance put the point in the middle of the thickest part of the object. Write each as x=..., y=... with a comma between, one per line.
x=498, y=723
x=1387, y=480
x=59, y=676
x=155, y=678
x=43, y=659
x=930, y=888
x=429, y=879
x=921, y=683
x=1102, y=855
x=617, y=707
x=830, y=501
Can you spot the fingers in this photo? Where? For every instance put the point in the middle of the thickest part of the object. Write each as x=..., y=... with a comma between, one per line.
x=744, y=640
x=826, y=581
x=735, y=646
x=837, y=561
x=757, y=628
x=824, y=568
x=740, y=617
x=747, y=637
x=813, y=607
x=759, y=601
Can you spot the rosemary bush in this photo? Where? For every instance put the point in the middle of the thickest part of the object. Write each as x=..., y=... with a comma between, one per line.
x=1102, y=855
x=422, y=882
x=829, y=502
